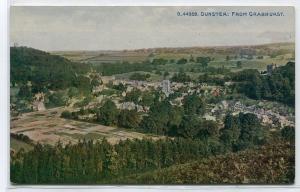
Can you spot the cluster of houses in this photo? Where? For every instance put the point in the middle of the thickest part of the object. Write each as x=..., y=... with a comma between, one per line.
x=217, y=111
x=132, y=106
x=266, y=116
x=166, y=86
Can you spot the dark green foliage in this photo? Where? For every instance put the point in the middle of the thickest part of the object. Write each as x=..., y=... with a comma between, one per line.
x=148, y=124
x=270, y=164
x=83, y=84
x=152, y=162
x=83, y=102
x=42, y=69
x=242, y=131
x=193, y=104
x=172, y=61
x=239, y=64
x=205, y=78
x=203, y=61
x=166, y=74
x=108, y=69
x=91, y=163
x=280, y=86
x=162, y=118
x=133, y=96
x=214, y=70
x=21, y=137
x=95, y=82
x=128, y=119
x=22, y=106
x=212, y=80
x=158, y=72
x=73, y=92
x=181, y=77
x=231, y=132
x=245, y=75
x=193, y=127
x=174, y=95
x=147, y=98
x=120, y=87
x=159, y=61
x=165, y=119
x=288, y=133
x=182, y=61
x=209, y=129
x=66, y=114
x=251, y=131
x=56, y=99
x=25, y=92
x=139, y=76
x=191, y=60
x=108, y=113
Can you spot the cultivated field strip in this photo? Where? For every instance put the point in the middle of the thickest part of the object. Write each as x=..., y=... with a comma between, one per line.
x=47, y=127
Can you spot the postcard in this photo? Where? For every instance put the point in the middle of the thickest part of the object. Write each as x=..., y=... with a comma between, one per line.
x=152, y=95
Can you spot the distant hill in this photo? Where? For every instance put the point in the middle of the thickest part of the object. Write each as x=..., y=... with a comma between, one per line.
x=42, y=69
x=174, y=52
x=266, y=165
x=259, y=49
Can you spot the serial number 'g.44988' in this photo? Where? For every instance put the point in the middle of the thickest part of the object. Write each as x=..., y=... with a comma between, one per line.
x=187, y=13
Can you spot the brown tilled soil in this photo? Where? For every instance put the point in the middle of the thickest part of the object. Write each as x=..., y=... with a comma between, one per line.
x=47, y=127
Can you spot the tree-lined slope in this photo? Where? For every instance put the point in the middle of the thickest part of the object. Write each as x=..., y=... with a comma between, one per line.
x=42, y=69
x=271, y=164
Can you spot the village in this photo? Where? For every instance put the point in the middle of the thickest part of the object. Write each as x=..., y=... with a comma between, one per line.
x=273, y=117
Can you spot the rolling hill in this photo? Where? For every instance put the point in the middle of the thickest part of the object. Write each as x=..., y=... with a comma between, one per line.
x=177, y=52
x=42, y=68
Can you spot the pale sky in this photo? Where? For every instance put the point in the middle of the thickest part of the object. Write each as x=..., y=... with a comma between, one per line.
x=117, y=28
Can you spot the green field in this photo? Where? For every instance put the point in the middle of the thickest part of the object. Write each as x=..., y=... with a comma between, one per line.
x=277, y=53
x=227, y=57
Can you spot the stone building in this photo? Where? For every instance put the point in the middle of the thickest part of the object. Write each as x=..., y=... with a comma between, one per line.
x=166, y=88
x=270, y=68
x=38, y=102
